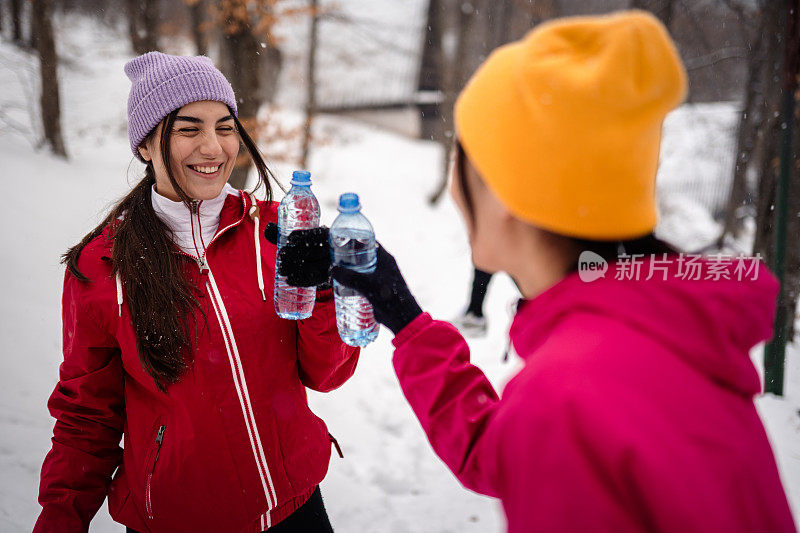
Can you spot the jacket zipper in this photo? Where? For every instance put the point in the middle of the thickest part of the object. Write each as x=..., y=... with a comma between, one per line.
x=148, y=503
x=236, y=370
x=201, y=261
x=240, y=384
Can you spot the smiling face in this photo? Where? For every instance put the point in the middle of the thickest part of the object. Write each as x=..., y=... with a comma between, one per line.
x=203, y=146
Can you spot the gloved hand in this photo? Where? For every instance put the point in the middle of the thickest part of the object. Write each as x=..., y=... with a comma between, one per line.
x=393, y=304
x=306, y=257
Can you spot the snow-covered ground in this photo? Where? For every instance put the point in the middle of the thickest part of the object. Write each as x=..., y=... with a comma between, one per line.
x=389, y=480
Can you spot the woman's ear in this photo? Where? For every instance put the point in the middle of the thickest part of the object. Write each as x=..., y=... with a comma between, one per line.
x=151, y=145
x=144, y=151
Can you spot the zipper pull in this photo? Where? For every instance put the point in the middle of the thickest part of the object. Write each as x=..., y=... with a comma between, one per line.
x=159, y=440
x=160, y=435
x=195, y=204
x=201, y=263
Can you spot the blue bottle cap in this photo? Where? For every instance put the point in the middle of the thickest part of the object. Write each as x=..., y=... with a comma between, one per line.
x=348, y=203
x=301, y=177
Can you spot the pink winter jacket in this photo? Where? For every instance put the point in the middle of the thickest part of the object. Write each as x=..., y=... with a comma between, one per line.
x=633, y=411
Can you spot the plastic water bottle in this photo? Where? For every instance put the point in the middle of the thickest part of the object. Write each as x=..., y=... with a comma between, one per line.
x=353, y=246
x=299, y=209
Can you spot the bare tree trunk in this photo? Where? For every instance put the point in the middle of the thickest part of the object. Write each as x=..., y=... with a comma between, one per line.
x=793, y=244
x=133, y=11
x=150, y=24
x=499, y=22
x=750, y=123
x=242, y=49
x=768, y=164
x=272, y=64
x=770, y=108
x=252, y=65
x=459, y=73
x=787, y=212
x=51, y=108
x=197, y=12
x=311, y=85
x=16, y=21
x=33, y=38
x=779, y=51
x=429, y=84
x=143, y=24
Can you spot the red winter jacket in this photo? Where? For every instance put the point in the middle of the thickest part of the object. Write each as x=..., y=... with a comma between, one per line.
x=233, y=446
x=633, y=411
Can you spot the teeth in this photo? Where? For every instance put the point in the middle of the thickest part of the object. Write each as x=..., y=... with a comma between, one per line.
x=206, y=170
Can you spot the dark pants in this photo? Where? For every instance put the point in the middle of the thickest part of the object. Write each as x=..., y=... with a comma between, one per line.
x=480, y=282
x=311, y=517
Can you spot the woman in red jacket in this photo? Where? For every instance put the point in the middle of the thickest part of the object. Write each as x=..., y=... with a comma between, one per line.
x=171, y=340
x=634, y=409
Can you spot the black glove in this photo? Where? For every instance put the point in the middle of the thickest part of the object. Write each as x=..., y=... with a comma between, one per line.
x=305, y=258
x=392, y=302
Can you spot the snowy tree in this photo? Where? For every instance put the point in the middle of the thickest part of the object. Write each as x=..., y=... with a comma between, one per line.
x=50, y=104
x=252, y=59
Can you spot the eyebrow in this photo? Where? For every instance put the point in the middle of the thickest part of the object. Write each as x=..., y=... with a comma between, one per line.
x=196, y=120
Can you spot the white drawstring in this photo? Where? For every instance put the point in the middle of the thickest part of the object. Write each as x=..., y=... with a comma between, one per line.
x=119, y=293
x=255, y=216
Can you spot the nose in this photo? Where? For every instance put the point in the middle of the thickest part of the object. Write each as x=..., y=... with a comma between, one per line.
x=209, y=145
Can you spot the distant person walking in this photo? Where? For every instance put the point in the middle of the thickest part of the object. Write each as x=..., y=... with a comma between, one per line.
x=634, y=410
x=473, y=323
x=172, y=342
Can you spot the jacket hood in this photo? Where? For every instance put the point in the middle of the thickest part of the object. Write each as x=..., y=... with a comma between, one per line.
x=711, y=324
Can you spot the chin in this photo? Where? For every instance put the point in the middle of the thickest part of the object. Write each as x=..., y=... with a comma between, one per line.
x=481, y=263
x=207, y=191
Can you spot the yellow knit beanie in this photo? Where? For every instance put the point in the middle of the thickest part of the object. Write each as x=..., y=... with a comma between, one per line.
x=565, y=124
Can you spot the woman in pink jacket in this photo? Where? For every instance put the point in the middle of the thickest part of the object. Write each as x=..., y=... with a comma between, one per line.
x=634, y=410
x=171, y=340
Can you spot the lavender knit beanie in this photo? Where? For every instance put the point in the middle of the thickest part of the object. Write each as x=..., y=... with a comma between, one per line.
x=162, y=83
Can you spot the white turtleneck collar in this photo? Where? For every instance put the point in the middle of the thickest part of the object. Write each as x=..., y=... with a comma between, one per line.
x=192, y=233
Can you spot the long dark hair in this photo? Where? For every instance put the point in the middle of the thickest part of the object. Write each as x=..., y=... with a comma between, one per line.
x=608, y=250
x=151, y=273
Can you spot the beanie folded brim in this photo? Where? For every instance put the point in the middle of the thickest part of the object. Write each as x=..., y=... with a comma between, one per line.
x=162, y=83
x=173, y=94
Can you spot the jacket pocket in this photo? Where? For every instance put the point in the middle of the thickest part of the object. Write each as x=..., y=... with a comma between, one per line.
x=151, y=469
